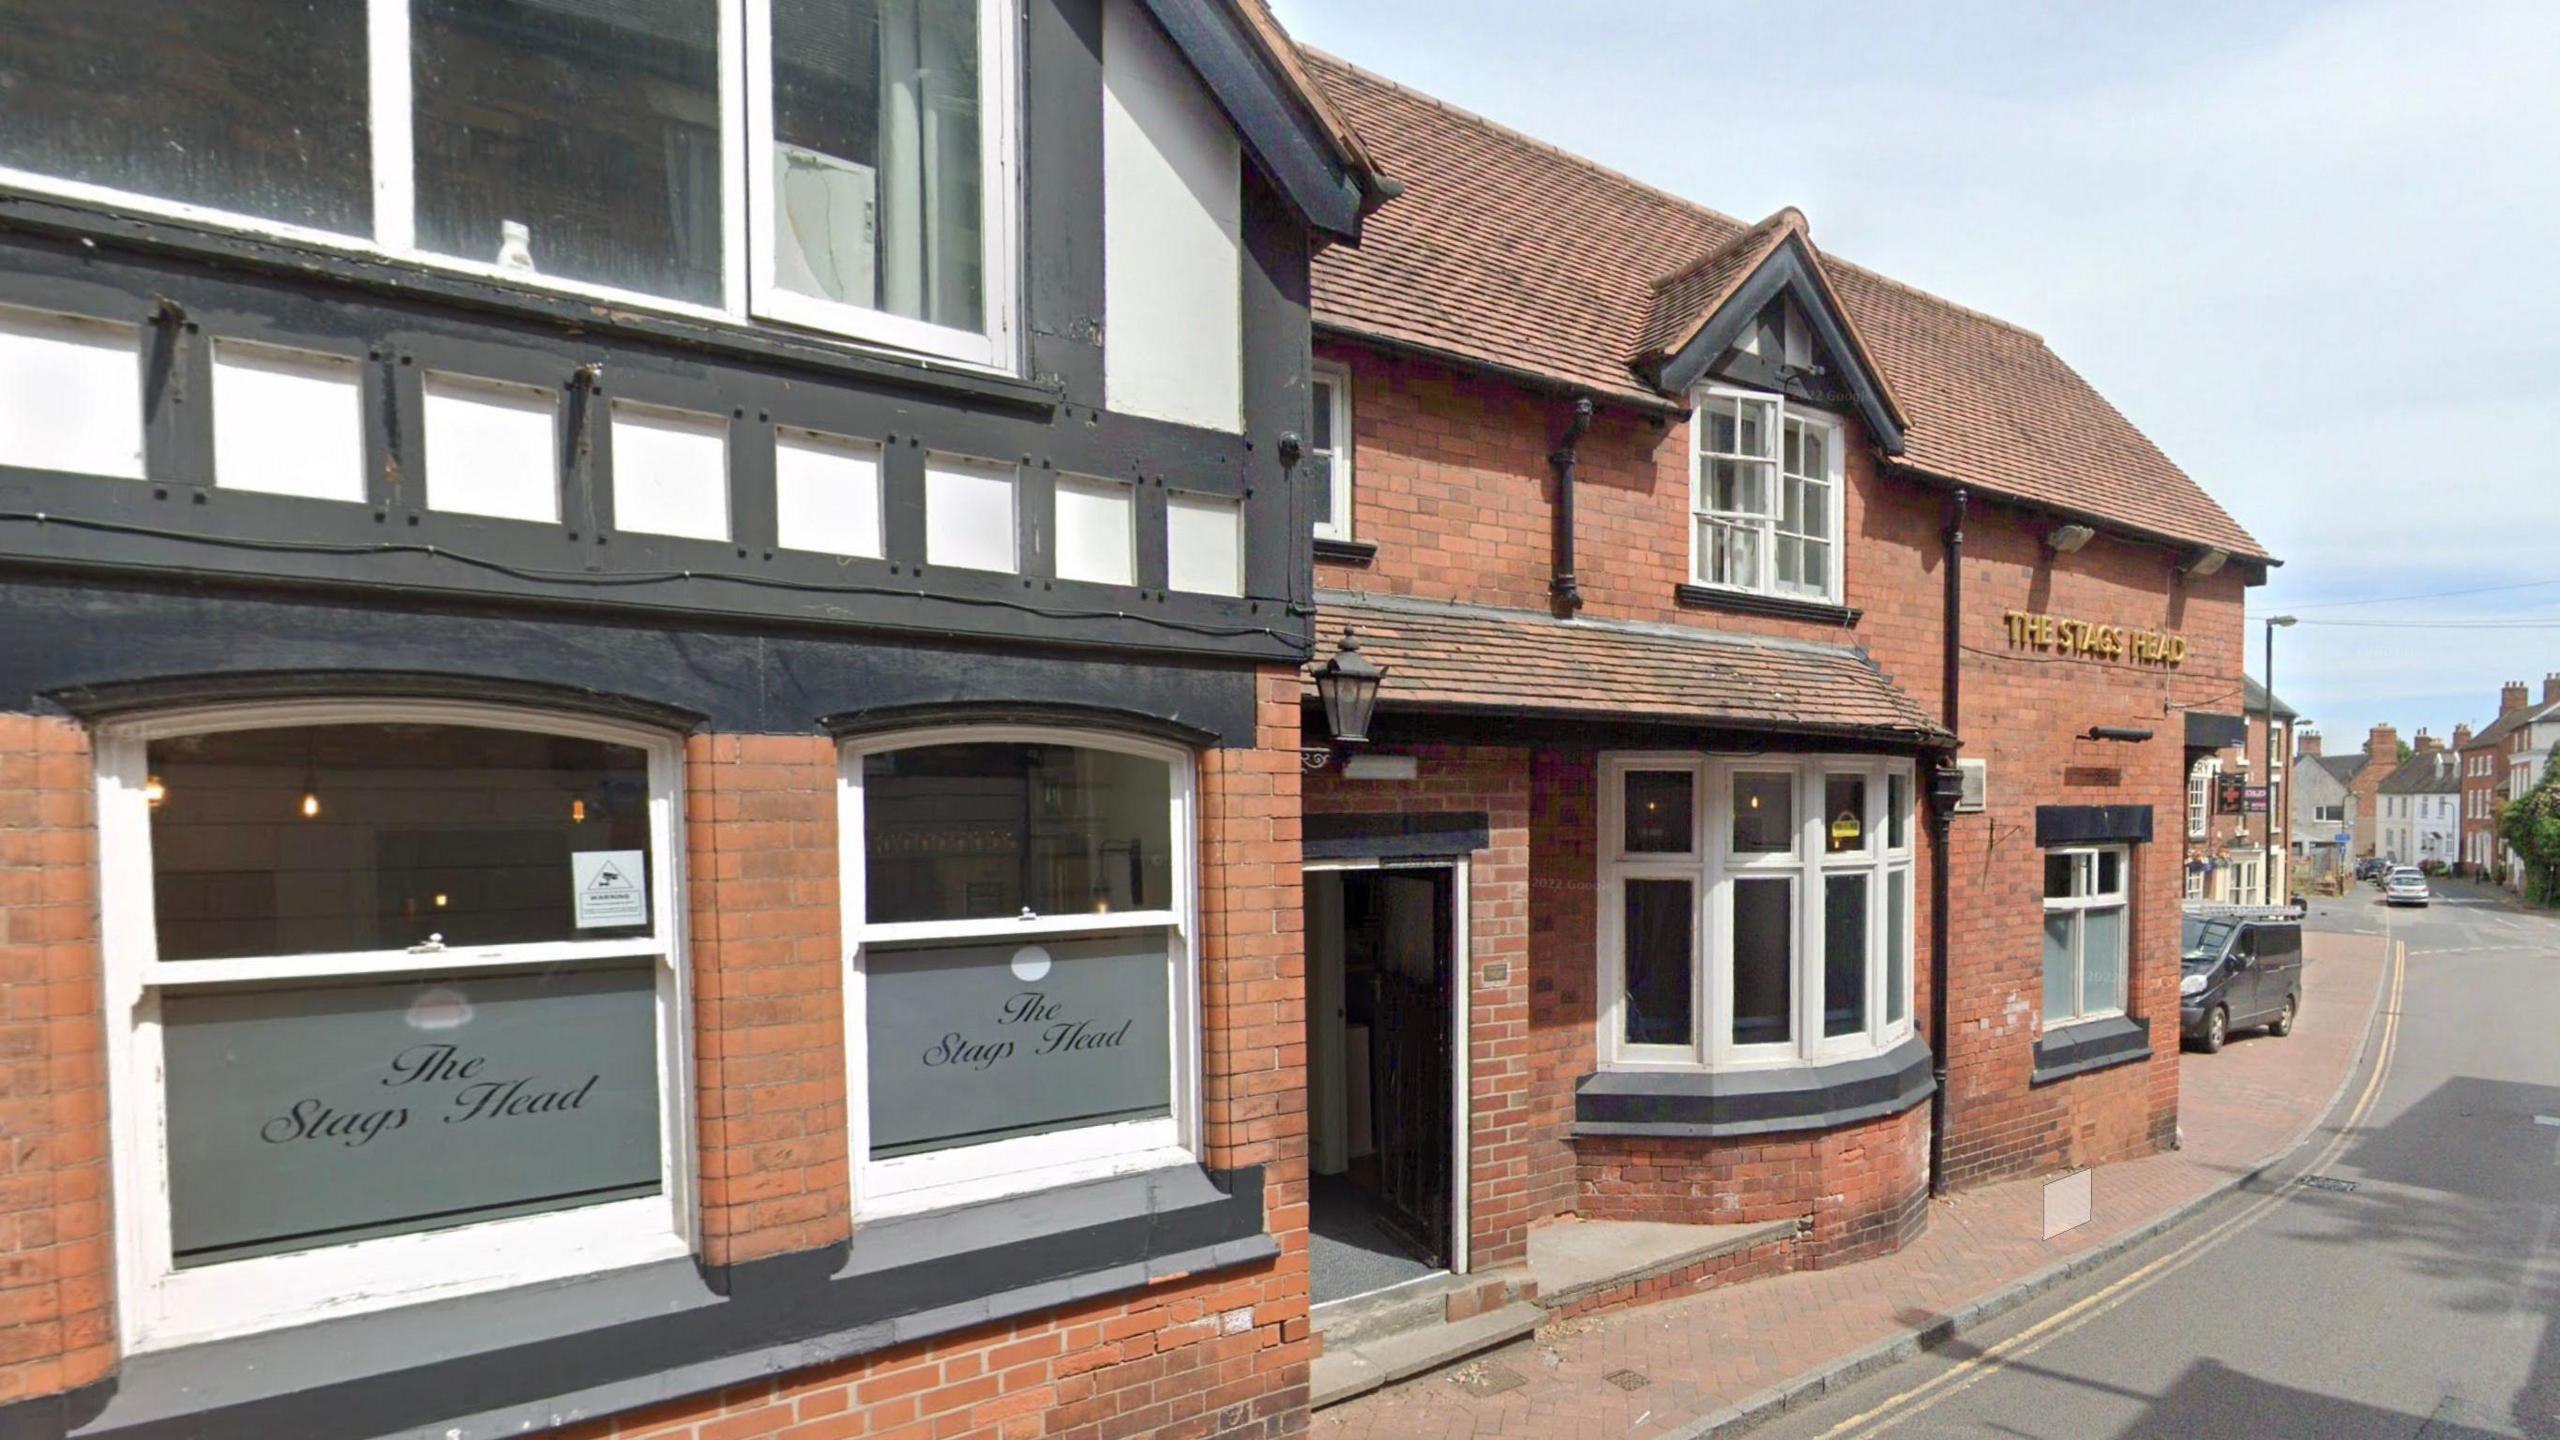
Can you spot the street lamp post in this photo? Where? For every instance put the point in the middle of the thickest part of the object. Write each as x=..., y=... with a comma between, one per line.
x=2267, y=776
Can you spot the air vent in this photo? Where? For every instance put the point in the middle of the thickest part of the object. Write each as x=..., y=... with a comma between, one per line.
x=1976, y=796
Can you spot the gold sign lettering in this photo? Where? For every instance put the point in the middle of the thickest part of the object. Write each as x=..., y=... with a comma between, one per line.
x=2031, y=631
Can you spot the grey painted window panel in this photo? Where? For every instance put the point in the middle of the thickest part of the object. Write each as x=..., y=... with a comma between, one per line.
x=1844, y=959
x=320, y=1114
x=974, y=1043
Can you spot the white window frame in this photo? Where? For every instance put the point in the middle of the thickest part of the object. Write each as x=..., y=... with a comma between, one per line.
x=2079, y=906
x=747, y=289
x=162, y=1306
x=2200, y=780
x=1712, y=868
x=967, y=1174
x=1339, y=459
x=1767, y=523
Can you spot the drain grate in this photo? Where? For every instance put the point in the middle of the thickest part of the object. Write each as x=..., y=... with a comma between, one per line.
x=1626, y=1379
x=2329, y=1183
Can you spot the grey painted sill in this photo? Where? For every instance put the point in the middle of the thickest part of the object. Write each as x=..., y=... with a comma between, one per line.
x=1712, y=1103
x=2090, y=1045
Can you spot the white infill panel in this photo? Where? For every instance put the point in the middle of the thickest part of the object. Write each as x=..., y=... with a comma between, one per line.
x=670, y=472
x=287, y=422
x=70, y=393
x=1172, y=272
x=492, y=449
x=826, y=493
x=968, y=513
x=1204, y=541
x=1097, y=531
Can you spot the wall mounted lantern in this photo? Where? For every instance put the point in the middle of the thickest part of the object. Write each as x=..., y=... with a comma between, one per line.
x=1348, y=686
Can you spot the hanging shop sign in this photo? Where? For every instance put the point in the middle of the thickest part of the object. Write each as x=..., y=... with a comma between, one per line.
x=2233, y=795
x=2091, y=640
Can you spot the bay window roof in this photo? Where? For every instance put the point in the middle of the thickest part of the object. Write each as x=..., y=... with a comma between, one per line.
x=1450, y=657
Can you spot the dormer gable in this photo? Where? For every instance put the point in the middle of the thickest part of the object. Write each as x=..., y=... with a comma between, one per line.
x=1759, y=312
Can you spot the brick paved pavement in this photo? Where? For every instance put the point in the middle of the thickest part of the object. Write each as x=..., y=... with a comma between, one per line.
x=1705, y=1352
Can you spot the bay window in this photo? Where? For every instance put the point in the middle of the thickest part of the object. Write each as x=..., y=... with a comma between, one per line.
x=842, y=165
x=2086, y=935
x=1020, y=1001
x=1766, y=496
x=1753, y=911
x=400, y=1000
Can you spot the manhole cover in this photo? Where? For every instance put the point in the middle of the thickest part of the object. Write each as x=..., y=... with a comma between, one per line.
x=2324, y=1182
x=1626, y=1379
x=1485, y=1378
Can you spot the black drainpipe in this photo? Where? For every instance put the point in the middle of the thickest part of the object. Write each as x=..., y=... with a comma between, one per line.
x=1941, y=866
x=1567, y=587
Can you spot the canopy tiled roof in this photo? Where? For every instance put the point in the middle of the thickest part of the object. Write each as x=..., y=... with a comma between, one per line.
x=1511, y=254
x=1464, y=657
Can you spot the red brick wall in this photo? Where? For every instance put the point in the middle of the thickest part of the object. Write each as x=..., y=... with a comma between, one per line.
x=1218, y=1355
x=1865, y=1186
x=768, y=993
x=1454, y=488
x=1512, y=1163
x=57, y=1318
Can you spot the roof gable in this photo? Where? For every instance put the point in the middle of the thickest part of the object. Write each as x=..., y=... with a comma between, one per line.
x=2429, y=774
x=1699, y=313
x=1256, y=74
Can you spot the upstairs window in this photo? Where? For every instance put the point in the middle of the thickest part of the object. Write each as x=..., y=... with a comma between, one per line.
x=845, y=165
x=1329, y=451
x=1765, y=496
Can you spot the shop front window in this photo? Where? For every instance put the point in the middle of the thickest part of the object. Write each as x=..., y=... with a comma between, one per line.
x=408, y=1007
x=1022, y=962
x=1754, y=911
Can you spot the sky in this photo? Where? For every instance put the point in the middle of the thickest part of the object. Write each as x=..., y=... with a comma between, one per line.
x=2312, y=250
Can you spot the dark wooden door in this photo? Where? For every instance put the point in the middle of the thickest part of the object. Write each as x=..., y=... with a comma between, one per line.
x=1411, y=1064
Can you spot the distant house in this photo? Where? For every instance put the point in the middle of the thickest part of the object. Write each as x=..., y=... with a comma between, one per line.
x=2421, y=807
x=2323, y=808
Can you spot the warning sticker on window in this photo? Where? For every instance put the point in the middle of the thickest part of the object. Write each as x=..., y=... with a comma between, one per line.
x=611, y=887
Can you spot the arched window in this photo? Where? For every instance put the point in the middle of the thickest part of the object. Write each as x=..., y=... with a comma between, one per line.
x=401, y=996
x=1020, y=924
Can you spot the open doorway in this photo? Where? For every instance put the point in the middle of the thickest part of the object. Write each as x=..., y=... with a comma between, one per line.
x=1385, y=1066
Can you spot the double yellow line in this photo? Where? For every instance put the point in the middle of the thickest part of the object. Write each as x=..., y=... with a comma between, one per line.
x=1974, y=1369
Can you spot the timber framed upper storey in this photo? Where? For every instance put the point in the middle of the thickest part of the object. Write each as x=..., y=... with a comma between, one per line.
x=992, y=323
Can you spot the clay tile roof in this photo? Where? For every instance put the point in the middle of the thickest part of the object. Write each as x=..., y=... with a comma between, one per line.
x=1507, y=253
x=1463, y=657
x=1684, y=299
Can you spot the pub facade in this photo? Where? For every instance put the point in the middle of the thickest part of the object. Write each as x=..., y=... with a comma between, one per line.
x=649, y=717
x=1772, y=806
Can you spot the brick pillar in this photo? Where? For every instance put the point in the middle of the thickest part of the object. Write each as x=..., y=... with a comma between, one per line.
x=768, y=994
x=1253, y=1005
x=57, y=1322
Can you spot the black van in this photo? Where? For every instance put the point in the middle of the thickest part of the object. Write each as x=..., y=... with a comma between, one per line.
x=2242, y=966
